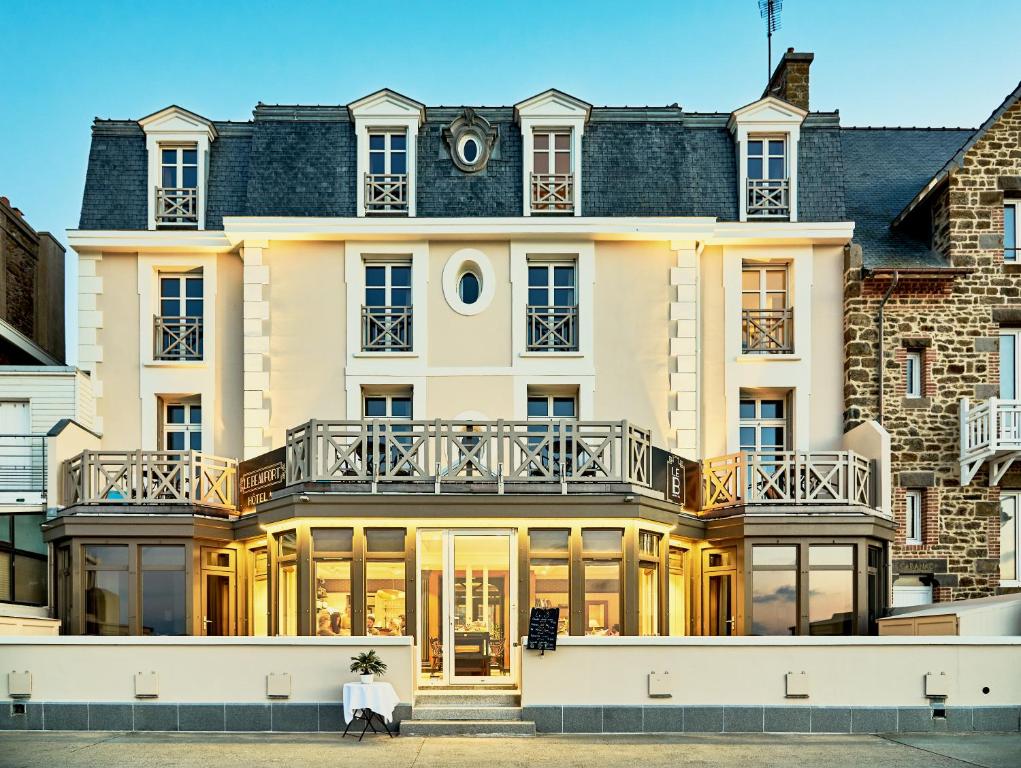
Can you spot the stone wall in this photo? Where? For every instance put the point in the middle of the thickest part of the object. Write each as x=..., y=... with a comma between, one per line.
x=953, y=319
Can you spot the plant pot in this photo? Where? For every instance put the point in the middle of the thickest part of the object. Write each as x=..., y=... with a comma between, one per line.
x=366, y=679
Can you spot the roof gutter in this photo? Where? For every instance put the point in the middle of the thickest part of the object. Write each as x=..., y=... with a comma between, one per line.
x=881, y=357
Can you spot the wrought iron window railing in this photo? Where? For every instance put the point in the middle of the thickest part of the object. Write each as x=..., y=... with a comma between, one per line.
x=177, y=338
x=552, y=193
x=23, y=464
x=386, y=193
x=150, y=477
x=767, y=331
x=177, y=206
x=769, y=198
x=787, y=477
x=386, y=329
x=502, y=452
x=552, y=329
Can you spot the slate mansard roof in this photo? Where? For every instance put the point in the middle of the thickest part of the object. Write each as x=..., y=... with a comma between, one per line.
x=653, y=161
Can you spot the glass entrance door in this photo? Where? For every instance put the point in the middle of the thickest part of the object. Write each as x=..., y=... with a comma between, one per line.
x=467, y=608
x=719, y=575
x=218, y=595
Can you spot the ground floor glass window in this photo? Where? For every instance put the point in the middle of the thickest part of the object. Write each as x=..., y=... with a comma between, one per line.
x=831, y=589
x=106, y=589
x=549, y=579
x=163, y=590
x=602, y=564
x=774, y=590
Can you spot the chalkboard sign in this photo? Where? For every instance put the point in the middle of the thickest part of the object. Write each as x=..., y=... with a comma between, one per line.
x=542, y=629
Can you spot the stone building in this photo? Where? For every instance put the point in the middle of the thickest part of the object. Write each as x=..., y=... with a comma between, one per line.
x=935, y=260
x=31, y=284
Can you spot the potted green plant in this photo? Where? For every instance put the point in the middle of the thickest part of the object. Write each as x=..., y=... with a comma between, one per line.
x=367, y=665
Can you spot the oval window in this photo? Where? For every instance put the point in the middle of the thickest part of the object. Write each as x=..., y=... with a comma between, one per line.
x=468, y=288
x=470, y=150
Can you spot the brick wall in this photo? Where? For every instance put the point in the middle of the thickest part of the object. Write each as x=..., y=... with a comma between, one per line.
x=955, y=322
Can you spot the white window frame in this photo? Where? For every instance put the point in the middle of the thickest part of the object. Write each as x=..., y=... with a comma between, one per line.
x=551, y=151
x=763, y=268
x=549, y=395
x=1010, y=505
x=176, y=127
x=914, y=502
x=551, y=111
x=1015, y=335
x=1015, y=256
x=407, y=393
x=179, y=165
x=386, y=112
x=766, y=138
x=187, y=428
x=550, y=265
x=758, y=422
x=914, y=360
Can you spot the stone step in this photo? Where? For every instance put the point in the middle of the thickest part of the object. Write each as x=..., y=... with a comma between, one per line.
x=466, y=699
x=467, y=728
x=465, y=713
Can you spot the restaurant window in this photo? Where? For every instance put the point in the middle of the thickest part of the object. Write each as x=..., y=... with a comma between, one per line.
x=106, y=589
x=385, y=597
x=678, y=592
x=287, y=583
x=163, y=589
x=1009, y=536
x=913, y=516
x=774, y=590
x=549, y=580
x=22, y=559
x=602, y=561
x=332, y=554
x=260, y=593
x=648, y=582
x=831, y=589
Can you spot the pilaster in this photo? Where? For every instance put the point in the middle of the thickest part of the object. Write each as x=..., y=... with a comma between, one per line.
x=256, y=318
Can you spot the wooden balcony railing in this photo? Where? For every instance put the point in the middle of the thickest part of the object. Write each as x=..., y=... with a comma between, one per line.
x=769, y=198
x=177, y=206
x=501, y=452
x=177, y=338
x=150, y=477
x=552, y=193
x=552, y=329
x=386, y=193
x=990, y=431
x=386, y=329
x=787, y=478
x=767, y=331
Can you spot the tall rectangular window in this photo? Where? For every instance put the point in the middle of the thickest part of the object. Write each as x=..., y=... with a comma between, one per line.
x=913, y=516
x=767, y=158
x=552, y=311
x=549, y=582
x=22, y=559
x=1010, y=232
x=552, y=187
x=386, y=183
x=677, y=585
x=385, y=593
x=913, y=367
x=551, y=152
x=768, y=193
x=260, y=593
x=602, y=562
x=774, y=590
x=179, y=325
x=1009, y=369
x=763, y=424
x=1009, y=536
x=766, y=316
x=648, y=582
x=106, y=589
x=332, y=554
x=177, y=193
x=388, y=152
x=182, y=426
x=163, y=589
x=831, y=589
x=287, y=583
x=387, y=312
x=179, y=167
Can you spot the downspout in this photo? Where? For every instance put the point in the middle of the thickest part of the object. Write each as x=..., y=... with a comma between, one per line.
x=879, y=357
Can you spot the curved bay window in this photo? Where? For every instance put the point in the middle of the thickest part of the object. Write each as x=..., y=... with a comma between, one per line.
x=602, y=561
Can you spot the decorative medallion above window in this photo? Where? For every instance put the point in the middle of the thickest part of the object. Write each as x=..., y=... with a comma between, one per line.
x=470, y=139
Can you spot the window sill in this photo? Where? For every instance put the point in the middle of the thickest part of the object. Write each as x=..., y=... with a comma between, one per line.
x=764, y=358
x=1010, y=582
x=1012, y=268
x=377, y=355
x=175, y=363
x=551, y=353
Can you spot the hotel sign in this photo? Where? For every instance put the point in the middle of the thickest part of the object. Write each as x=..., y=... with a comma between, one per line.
x=260, y=476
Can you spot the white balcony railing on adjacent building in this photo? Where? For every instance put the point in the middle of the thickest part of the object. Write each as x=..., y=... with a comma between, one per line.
x=769, y=198
x=177, y=338
x=386, y=329
x=990, y=431
x=767, y=331
x=150, y=477
x=386, y=193
x=177, y=207
x=552, y=193
x=821, y=478
x=502, y=452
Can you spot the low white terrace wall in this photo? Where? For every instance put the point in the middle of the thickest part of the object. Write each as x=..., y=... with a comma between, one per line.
x=196, y=670
x=751, y=671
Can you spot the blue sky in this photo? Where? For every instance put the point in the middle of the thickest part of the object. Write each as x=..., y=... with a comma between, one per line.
x=906, y=62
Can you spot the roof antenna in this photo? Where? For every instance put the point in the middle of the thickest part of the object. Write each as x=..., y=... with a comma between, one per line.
x=770, y=11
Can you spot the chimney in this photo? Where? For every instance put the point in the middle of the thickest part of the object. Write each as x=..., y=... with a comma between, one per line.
x=790, y=79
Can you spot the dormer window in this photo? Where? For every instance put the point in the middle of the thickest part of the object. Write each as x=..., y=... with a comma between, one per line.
x=768, y=183
x=178, y=144
x=552, y=126
x=386, y=127
x=386, y=183
x=766, y=135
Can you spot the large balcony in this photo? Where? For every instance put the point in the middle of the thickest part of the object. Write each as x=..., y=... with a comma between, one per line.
x=150, y=477
x=787, y=479
x=177, y=207
x=990, y=432
x=510, y=455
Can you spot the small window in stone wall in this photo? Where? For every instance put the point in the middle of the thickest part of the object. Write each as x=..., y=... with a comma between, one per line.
x=913, y=516
x=1010, y=233
x=913, y=372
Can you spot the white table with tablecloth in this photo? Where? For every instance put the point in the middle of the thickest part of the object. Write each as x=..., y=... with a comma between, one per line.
x=381, y=698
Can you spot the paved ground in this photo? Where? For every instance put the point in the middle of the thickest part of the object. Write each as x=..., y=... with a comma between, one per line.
x=139, y=750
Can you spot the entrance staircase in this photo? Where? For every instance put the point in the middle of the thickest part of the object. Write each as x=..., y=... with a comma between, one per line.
x=467, y=711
